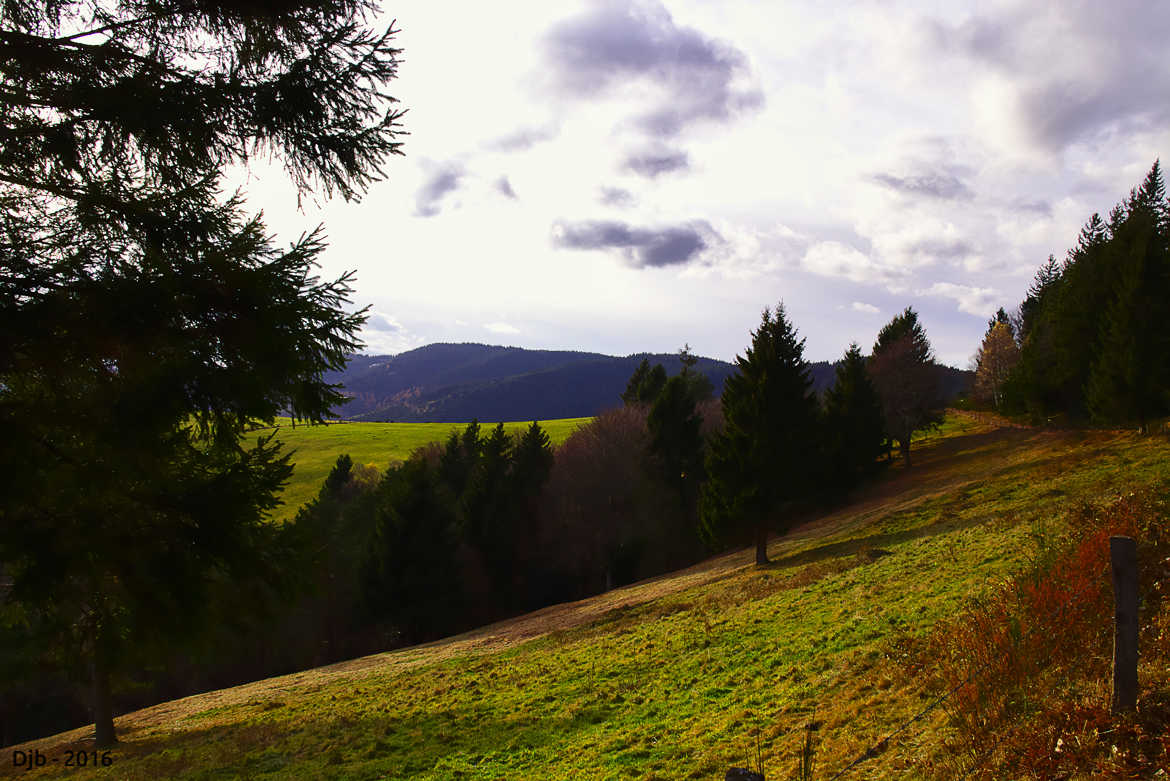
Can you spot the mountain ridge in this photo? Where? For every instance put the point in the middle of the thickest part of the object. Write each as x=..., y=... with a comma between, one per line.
x=449, y=382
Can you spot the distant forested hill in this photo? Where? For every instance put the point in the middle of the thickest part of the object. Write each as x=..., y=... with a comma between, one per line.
x=452, y=383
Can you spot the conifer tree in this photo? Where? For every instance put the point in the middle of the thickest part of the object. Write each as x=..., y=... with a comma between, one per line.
x=761, y=467
x=145, y=319
x=854, y=430
x=408, y=577
x=676, y=446
x=1130, y=378
x=645, y=384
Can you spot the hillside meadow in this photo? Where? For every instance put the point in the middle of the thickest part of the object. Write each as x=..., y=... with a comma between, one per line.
x=684, y=675
x=316, y=448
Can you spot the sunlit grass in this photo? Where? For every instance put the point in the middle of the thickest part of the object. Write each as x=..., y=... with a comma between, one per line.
x=673, y=678
x=380, y=444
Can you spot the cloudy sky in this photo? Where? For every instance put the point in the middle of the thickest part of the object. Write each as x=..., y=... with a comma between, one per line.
x=621, y=176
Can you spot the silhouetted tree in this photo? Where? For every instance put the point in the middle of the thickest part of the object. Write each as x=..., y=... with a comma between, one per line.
x=1096, y=341
x=1130, y=376
x=676, y=446
x=144, y=319
x=854, y=429
x=699, y=387
x=762, y=466
x=410, y=577
x=645, y=384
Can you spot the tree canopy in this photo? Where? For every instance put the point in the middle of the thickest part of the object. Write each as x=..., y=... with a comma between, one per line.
x=763, y=463
x=1095, y=343
x=145, y=318
x=854, y=428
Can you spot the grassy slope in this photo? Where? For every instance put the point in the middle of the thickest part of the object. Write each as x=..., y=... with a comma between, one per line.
x=317, y=448
x=671, y=678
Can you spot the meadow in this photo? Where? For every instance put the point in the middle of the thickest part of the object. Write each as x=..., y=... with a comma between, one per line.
x=684, y=675
x=316, y=448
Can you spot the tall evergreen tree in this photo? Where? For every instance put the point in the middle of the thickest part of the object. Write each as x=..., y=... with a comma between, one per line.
x=1097, y=344
x=487, y=511
x=904, y=372
x=645, y=384
x=675, y=442
x=699, y=386
x=854, y=428
x=1130, y=378
x=144, y=318
x=761, y=466
x=409, y=577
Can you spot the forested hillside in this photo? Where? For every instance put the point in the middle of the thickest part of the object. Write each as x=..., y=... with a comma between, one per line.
x=455, y=383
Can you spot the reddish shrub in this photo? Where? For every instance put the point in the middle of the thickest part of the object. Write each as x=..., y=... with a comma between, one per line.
x=1025, y=657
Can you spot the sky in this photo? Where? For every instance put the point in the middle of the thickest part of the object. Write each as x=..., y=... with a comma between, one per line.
x=620, y=176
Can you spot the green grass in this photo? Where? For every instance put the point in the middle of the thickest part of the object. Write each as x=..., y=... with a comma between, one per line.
x=317, y=448
x=674, y=678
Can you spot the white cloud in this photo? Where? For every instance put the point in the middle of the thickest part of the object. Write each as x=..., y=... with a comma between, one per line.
x=383, y=334
x=834, y=259
x=861, y=306
x=501, y=328
x=980, y=301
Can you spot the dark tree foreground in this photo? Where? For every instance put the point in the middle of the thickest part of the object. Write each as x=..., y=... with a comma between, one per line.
x=764, y=463
x=145, y=317
x=907, y=379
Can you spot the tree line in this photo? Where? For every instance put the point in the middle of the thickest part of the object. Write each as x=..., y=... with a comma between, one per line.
x=1091, y=340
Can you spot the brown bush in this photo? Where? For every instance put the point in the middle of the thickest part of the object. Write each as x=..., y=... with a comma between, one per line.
x=606, y=519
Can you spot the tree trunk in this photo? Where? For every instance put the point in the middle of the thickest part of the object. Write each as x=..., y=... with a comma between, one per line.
x=103, y=706
x=904, y=446
x=761, y=543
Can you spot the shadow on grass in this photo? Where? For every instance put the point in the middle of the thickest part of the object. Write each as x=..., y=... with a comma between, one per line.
x=366, y=745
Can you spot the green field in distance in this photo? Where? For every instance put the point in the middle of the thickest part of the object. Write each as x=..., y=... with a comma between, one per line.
x=380, y=444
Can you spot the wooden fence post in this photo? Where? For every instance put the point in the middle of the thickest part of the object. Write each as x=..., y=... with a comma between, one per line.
x=1123, y=558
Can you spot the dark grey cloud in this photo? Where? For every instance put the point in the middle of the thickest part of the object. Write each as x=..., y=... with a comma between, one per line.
x=941, y=185
x=505, y=187
x=617, y=41
x=640, y=247
x=522, y=139
x=616, y=196
x=441, y=181
x=653, y=164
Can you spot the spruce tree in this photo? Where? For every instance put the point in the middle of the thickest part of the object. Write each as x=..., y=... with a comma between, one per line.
x=633, y=386
x=676, y=446
x=854, y=429
x=145, y=318
x=761, y=467
x=1130, y=379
